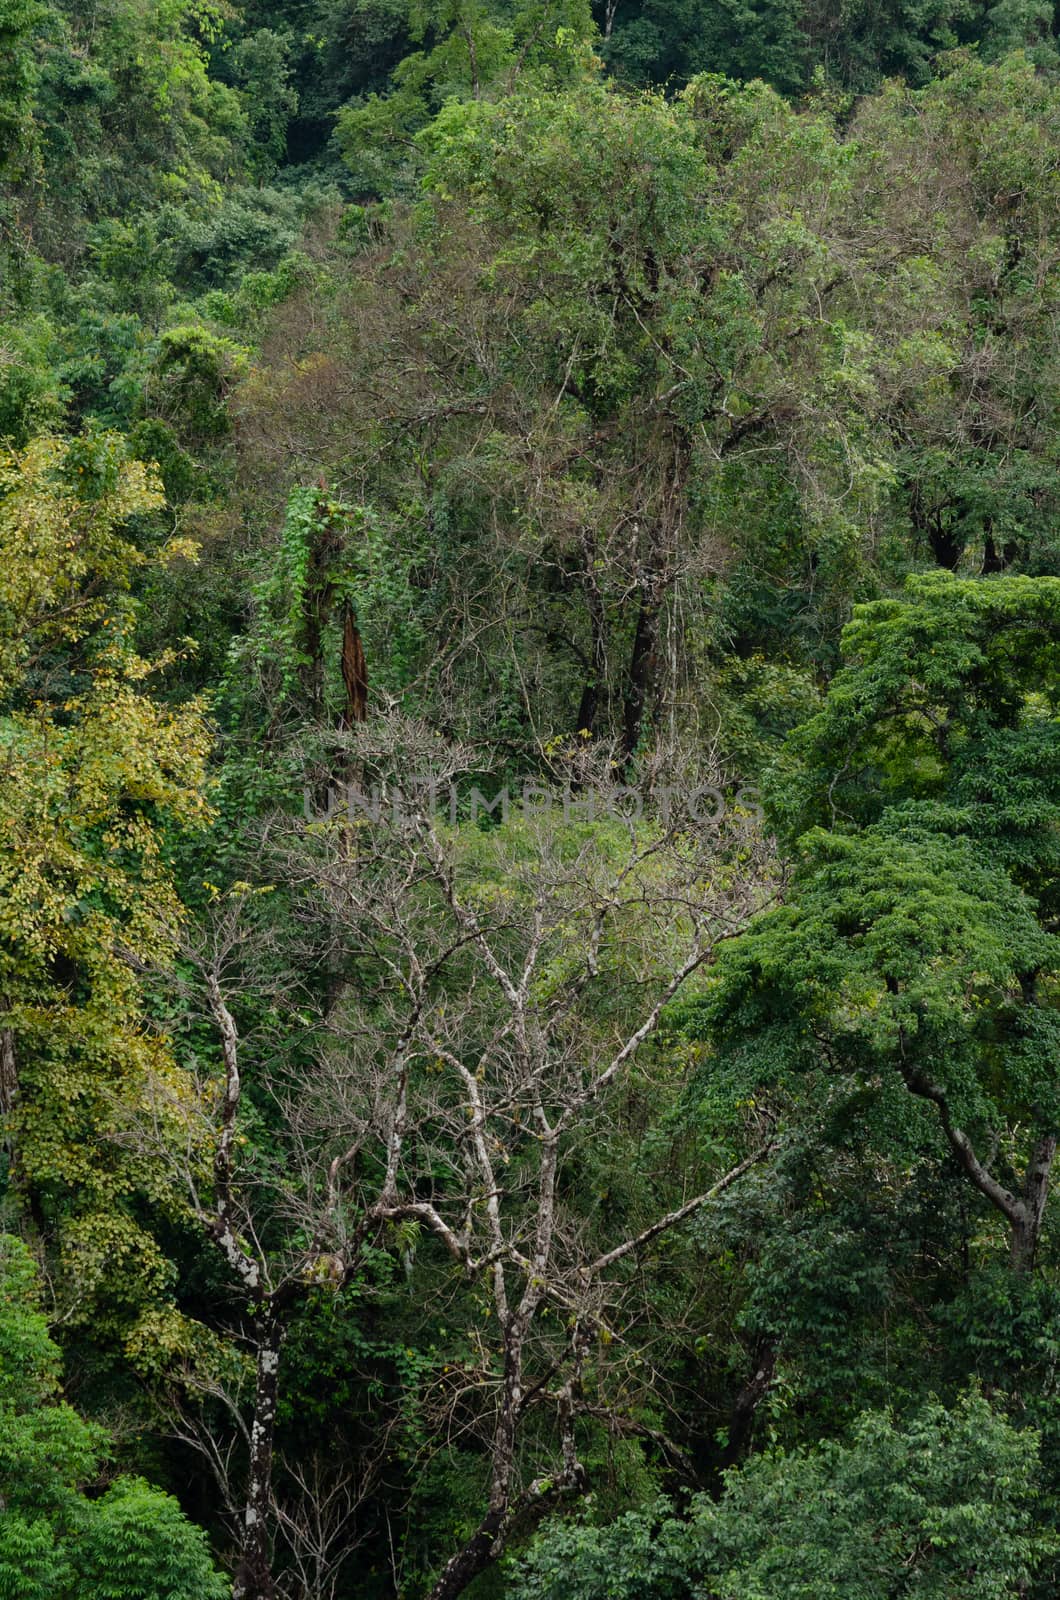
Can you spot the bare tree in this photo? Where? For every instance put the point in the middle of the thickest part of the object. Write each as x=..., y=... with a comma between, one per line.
x=508, y=980
x=262, y=1220
x=497, y=987
x=273, y=1219
x=319, y=1524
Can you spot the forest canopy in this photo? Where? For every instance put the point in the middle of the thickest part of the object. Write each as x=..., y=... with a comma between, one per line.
x=530, y=832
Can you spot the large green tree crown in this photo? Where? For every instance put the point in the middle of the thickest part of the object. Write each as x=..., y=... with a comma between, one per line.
x=945, y=706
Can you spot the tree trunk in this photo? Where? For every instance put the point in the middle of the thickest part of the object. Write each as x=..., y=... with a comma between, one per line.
x=1027, y=1228
x=947, y=544
x=643, y=662
x=8, y=1072
x=318, y=599
x=1023, y=1211
x=946, y=541
x=589, y=706
x=992, y=561
x=477, y=1554
x=747, y=1402
x=354, y=671
x=483, y=1546
x=253, y=1579
x=655, y=575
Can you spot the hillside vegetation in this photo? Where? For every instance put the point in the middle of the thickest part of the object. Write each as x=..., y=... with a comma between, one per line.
x=530, y=820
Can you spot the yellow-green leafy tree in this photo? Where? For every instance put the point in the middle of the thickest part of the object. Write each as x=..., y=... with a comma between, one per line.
x=96, y=777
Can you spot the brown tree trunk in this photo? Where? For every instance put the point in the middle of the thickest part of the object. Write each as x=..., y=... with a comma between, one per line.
x=354, y=671
x=253, y=1579
x=8, y=1072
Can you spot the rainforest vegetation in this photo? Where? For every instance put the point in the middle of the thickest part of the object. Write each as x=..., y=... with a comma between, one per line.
x=529, y=799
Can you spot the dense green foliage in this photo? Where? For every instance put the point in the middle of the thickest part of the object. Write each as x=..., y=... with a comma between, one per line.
x=530, y=833
x=946, y=1504
x=131, y=1542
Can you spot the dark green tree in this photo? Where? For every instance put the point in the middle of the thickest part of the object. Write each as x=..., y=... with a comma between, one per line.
x=57, y=1543
x=945, y=1503
x=918, y=947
